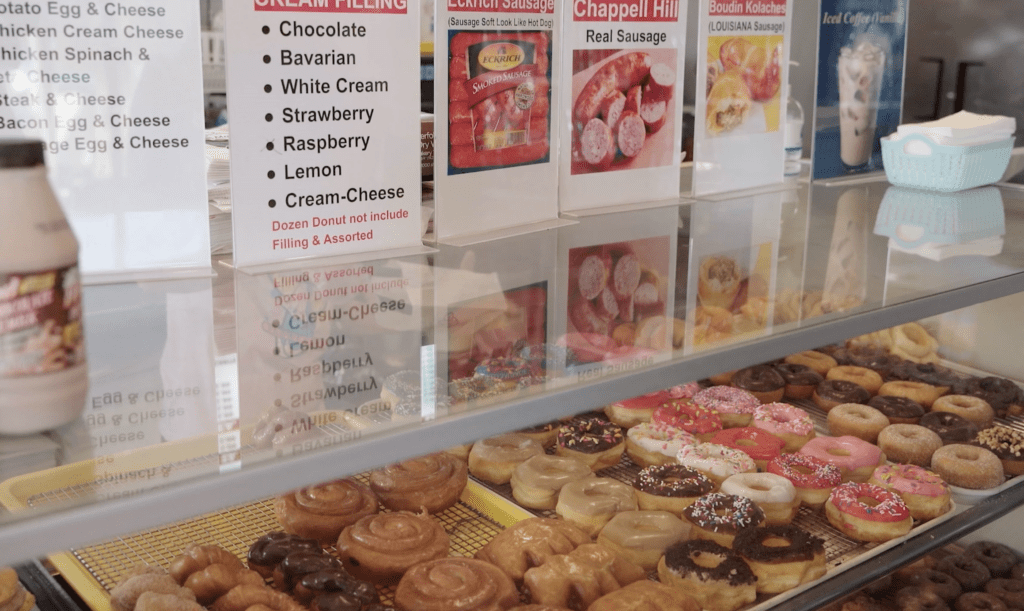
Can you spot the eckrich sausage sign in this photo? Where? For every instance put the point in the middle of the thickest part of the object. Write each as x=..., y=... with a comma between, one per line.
x=621, y=120
x=496, y=83
x=324, y=127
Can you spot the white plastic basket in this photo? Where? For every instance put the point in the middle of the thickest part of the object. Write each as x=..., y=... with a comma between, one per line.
x=943, y=168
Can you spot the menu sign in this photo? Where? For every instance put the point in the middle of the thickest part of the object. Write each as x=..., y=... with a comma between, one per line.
x=324, y=117
x=859, y=97
x=743, y=51
x=112, y=89
x=626, y=62
x=494, y=87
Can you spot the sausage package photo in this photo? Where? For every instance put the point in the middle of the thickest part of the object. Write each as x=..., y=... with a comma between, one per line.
x=496, y=83
x=622, y=115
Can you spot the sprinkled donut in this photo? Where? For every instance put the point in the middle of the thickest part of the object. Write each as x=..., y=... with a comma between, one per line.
x=813, y=478
x=735, y=406
x=792, y=424
x=867, y=512
x=649, y=443
x=855, y=457
x=670, y=487
x=715, y=461
x=756, y=443
x=720, y=517
x=687, y=415
x=597, y=443
x=925, y=493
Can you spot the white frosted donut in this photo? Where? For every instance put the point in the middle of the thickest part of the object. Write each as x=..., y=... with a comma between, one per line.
x=760, y=487
x=716, y=461
x=652, y=443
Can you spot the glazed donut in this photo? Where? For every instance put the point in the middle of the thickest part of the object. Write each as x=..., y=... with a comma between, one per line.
x=978, y=601
x=734, y=406
x=713, y=575
x=861, y=421
x=670, y=488
x=651, y=443
x=537, y=481
x=970, y=572
x=715, y=461
x=456, y=584
x=817, y=361
x=801, y=380
x=244, y=597
x=866, y=512
x=700, y=422
x=530, y=542
x=544, y=433
x=589, y=503
x=433, y=482
x=782, y=557
x=792, y=424
x=949, y=427
x=335, y=589
x=1004, y=396
x=1010, y=591
x=855, y=457
x=632, y=412
x=297, y=565
x=269, y=550
x=861, y=376
x=758, y=444
x=919, y=392
x=831, y=393
x=968, y=466
x=923, y=492
x=774, y=494
x=320, y=512
x=912, y=339
x=583, y=575
x=812, y=478
x=596, y=443
x=643, y=595
x=147, y=601
x=910, y=444
x=919, y=599
x=898, y=410
x=762, y=381
x=381, y=548
x=720, y=517
x=641, y=537
x=494, y=459
x=974, y=410
x=941, y=583
x=996, y=557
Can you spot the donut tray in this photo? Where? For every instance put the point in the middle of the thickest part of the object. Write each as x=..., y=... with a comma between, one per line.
x=93, y=571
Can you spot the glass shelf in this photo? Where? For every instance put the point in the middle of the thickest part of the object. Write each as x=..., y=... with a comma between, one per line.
x=379, y=356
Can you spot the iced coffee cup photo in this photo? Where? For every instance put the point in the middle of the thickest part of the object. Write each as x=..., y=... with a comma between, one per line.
x=860, y=83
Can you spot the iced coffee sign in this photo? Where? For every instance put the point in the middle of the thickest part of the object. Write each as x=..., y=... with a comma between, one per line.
x=860, y=83
x=743, y=60
x=324, y=127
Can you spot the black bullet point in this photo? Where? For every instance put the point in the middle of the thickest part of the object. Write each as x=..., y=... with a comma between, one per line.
x=273, y=203
x=271, y=174
x=269, y=117
x=266, y=59
x=270, y=146
x=268, y=88
x=266, y=29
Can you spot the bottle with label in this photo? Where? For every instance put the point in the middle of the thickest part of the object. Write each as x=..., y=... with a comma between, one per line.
x=792, y=138
x=43, y=374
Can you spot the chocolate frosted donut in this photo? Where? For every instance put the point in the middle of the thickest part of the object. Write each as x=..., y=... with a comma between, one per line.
x=1007, y=444
x=971, y=573
x=335, y=590
x=899, y=410
x=941, y=583
x=590, y=435
x=1010, y=591
x=1000, y=393
x=297, y=565
x=672, y=481
x=762, y=381
x=801, y=545
x=876, y=359
x=950, y=427
x=998, y=558
x=680, y=559
x=914, y=598
x=979, y=601
x=928, y=373
x=831, y=393
x=800, y=380
x=269, y=550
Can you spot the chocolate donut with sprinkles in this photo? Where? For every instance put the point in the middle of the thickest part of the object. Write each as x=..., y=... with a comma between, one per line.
x=720, y=517
x=597, y=443
x=670, y=488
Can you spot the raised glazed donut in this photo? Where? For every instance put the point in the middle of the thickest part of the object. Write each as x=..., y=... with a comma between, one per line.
x=494, y=459
x=861, y=421
x=861, y=376
x=589, y=503
x=949, y=427
x=715, y=461
x=813, y=478
x=924, y=492
x=919, y=392
x=544, y=433
x=867, y=512
x=909, y=443
x=762, y=381
x=801, y=380
x=831, y=393
x=651, y=443
x=968, y=466
x=433, y=482
x=684, y=414
x=734, y=406
x=670, y=487
x=641, y=537
x=717, y=578
x=456, y=584
x=972, y=409
x=320, y=512
x=817, y=361
x=720, y=517
x=597, y=443
x=537, y=481
x=758, y=444
x=898, y=410
x=782, y=557
x=854, y=457
x=774, y=494
x=792, y=424
x=381, y=548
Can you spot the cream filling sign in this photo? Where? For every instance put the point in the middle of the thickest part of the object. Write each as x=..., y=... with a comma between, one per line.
x=329, y=108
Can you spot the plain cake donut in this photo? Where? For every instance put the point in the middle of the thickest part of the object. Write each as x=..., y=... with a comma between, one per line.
x=909, y=444
x=968, y=466
x=858, y=420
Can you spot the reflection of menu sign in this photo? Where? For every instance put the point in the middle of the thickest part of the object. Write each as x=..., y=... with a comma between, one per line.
x=324, y=159
x=743, y=59
x=626, y=63
x=113, y=91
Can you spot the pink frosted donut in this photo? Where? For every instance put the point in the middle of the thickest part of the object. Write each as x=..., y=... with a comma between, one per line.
x=632, y=412
x=688, y=390
x=790, y=423
x=734, y=405
x=924, y=492
x=855, y=457
x=813, y=479
x=885, y=517
x=687, y=415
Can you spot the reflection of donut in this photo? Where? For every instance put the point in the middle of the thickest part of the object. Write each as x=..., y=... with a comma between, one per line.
x=718, y=281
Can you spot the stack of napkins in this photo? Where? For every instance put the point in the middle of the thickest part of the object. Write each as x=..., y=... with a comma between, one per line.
x=962, y=129
x=218, y=187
